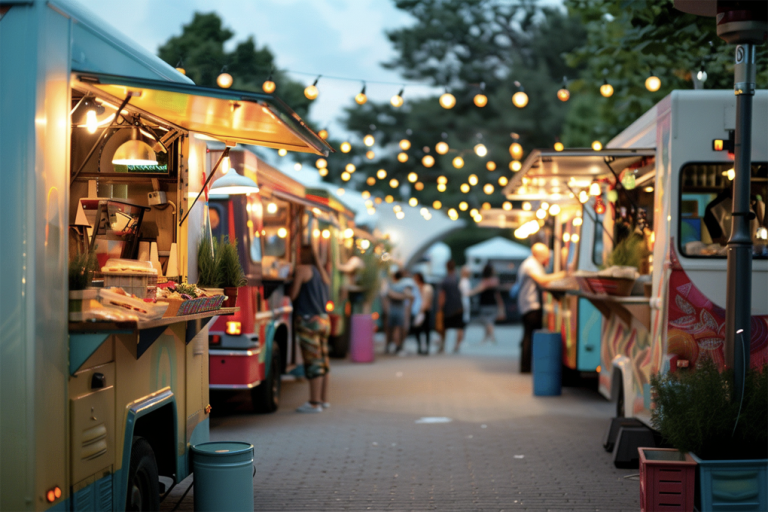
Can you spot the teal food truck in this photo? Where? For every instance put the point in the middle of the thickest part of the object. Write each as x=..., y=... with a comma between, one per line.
x=94, y=413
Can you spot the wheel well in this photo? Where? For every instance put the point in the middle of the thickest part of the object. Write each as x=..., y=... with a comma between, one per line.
x=281, y=338
x=157, y=427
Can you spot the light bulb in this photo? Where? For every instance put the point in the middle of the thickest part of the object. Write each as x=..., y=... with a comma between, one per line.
x=515, y=165
x=402, y=157
x=464, y=188
x=323, y=134
x=370, y=155
x=350, y=168
x=323, y=172
x=516, y=150
x=463, y=206
x=361, y=98
x=472, y=179
x=269, y=86
x=412, y=177
x=575, y=238
x=554, y=210
x=481, y=150
x=366, y=194
x=701, y=75
x=428, y=161
x=321, y=163
x=480, y=100
x=447, y=100
x=181, y=70
x=583, y=196
x=419, y=186
x=394, y=183
x=544, y=205
x=282, y=152
x=597, y=145
x=653, y=83
x=226, y=165
x=520, y=99
x=311, y=92
x=381, y=174
x=224, y=80
x=541, y=214
x=491, y=166
x=441, y=187
x=507, y=206
x=578, y=221
x=91, y=123
x=458, y=162
x=345, y=147
x=345, y=176
x=297, y=166
x=566, y=237
x=473, y=212
x=368, y=140
x=396, y=101
x=413, y=201
x=282, y=232
x=488, y=189
x=326, y=234
x=453, y=214
x=441, y=148
x=389, y=199
x=442, y=179
x=563, y=94
x=559, y=146
x=594, y=189
x=606, y=89
x=405, y=144
x=400, y=215
x=272, y=208
x=503, y=181
x=478, y=218
x=527, y=206
x=437, y=205
x=371, y=181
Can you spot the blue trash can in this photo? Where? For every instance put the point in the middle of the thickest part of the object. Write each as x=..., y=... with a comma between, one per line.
x=547, y=365
x=223, y=476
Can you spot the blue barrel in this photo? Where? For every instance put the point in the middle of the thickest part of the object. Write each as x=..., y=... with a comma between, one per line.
x=223, y=476
x=547, y=365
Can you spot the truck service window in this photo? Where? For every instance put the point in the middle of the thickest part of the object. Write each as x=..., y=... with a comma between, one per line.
x=705, y=209
x=276, y=225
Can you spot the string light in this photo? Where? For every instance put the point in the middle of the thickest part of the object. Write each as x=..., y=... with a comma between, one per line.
x=488, y=189
x=370, y=155
x=503, y=181
x=481, y=150
x=413, y=202
x=554, y=210
x=361, y=98
x=701, y=75
x=563, y=94
x=652, y=83
x=515, y=165
x=397, y=99
x=269, y=85
x=394, y=183
x=419, y=186
x=516, y=150
x=282, y=152
x=519, y=99
x=463, y=206
x=575, y=238
x=405, y=144
x=478, y=218
x=606, y=89
x=297, y=166
x=321, y=163
x=365, y=194
x=447, y=100
x=442, y=147
x=480, y=100
x=453, y=214
x=368, y=140
x=597, y=145
x=224, y=80
x=472, y=179
x=402, y=157
x=350, y=168
x=458, y=162
x=370, y=181
x=323, y=172
x=345, y=147
x=381, y=174
x=91, y=122
x=583, y=196
x=559, y=146
x=323, y=134
x=578, y=221
x=507, y=206
x=311, y=91
x=541, y=214
x=441, y=187
x=442, y=179
x=389, y=198
x=544, y=206
x=527, y=206
x=490, y=165
x=428, y=161
x=473, y=212
x=412, y=177
x=464, y=188
x=180, y=67
x=437, y=205
x=345, y=176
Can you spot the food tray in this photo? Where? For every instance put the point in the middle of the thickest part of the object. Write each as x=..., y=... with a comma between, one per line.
x=143, y=310
x=178, y=307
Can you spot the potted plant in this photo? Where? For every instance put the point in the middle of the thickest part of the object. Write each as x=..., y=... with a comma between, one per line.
x=229, y=273
x=207, y=261
x=81, y=270
x=696, y=412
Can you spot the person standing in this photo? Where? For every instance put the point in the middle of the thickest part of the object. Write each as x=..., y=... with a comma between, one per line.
x=404, y=300
x=450, y=303
x=309, y=294
x=465, y=287
x=422, y=323
x=532, y=276
x=491, y=303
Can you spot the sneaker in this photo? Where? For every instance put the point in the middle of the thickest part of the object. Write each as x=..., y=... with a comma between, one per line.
x=309, y=408
x=326, y=405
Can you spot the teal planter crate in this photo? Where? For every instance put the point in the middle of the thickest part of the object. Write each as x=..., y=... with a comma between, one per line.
x=223, y=476
x=729, y=485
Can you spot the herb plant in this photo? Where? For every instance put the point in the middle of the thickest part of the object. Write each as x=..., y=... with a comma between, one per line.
x=81, y=270
x=207, y=261
x=229, y=273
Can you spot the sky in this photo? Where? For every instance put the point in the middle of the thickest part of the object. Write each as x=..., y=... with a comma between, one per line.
x=344, y=38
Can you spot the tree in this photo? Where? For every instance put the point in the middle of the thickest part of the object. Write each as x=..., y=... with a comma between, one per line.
x=200, y=48
x=626, y=40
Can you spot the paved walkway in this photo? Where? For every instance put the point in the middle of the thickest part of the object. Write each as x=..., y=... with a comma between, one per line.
x=383, y=444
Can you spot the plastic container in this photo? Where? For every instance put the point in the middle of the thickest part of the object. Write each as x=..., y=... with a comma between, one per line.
x=547, y=363
x=223, y=476
x=143, y=310
x=136, y=277
x=732, y=484
x=667, y=480
x=361, y=339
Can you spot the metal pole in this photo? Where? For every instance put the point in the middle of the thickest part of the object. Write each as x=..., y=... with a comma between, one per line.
x=739, y=278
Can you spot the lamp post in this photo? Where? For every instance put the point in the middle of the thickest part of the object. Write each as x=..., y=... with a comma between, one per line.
x=744, y=24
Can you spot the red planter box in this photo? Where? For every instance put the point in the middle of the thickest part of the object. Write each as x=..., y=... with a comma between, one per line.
x=667, y=480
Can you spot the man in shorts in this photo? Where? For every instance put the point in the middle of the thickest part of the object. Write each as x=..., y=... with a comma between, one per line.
x=450, y=303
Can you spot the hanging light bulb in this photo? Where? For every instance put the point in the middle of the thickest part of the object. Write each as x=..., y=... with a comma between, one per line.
x=442, y=179
x=519, y=99
x=442, y=147
x=652, y=83
x=350, y=168
x=389, y=199
x=323, y=134
x=458, y=162
x=516, y=150
x=311, y=91
x=559, y=146
x=583, y=196
x=490, y=165
x=180, y=67
x=441, y=187
x=394, y=183
x=507, y=206
x=269, y=85
x=463, y=206
x=527, y=206
x=323, y=172
x=701, y=75
x=437, y=205
x=464, y=188
x=226, y=165
x=563, y=94
x=515, y=165
x=412, y=177
x=597, y=145
x=91, y=122
x=224, y=80
x=578, y=221
x=594, y=189
x=345, y=176
x=606, y=89
x=503, y=181
x=413, y=202
x=361, y=98
x=488, y=189
x=345, y=147
x=554, y=209
x=599, y=207
x=419, y=186
x=397, y=99
x=453, y=214
x=428, y=161
x=370, y=155
x=365, y=194
x=370, y=181
x=480, y=100
x=297, y=166
x=402, y=157
x=481, y=150
x=472, y=179
x=282, y=152
x=405, y=144
x=321, y=163
x=381, y=174
x=368, y=140
x=447, y=100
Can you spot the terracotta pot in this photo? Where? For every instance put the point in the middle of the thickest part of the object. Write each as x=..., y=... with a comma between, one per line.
x=231, y=293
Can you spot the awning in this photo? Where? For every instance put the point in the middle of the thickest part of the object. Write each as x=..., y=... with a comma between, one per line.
x=325, y=200
x=548, y=172
x=227, y=115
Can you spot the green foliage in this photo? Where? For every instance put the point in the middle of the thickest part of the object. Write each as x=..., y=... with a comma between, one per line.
x=626, y=40
x=186, y=289
x=630, y=252
x=201, y=48
x=370, y=276
x=207, y=260
x=81, y=269
x=695, y=411
x=229, y=273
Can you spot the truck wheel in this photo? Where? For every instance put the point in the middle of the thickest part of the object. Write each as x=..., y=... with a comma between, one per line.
x=143, y=491
x=620, y=413
x=266, y=396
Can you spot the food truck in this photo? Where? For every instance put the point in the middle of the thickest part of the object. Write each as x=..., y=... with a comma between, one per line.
x=99, y=147
x=642, y=224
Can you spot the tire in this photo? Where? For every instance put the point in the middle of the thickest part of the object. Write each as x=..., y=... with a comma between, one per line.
x=143, y=492
x=266, y=396
x=620, y=408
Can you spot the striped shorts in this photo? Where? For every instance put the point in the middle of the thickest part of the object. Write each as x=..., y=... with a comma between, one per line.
x=313, y=333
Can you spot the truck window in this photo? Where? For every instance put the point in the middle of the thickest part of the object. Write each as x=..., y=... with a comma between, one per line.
x=704, y=226
x=276, y=227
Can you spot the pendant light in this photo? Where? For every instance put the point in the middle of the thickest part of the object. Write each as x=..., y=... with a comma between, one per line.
x=361, y=98
x=269, y=85
x=311, y=91
x=224, y=80
x=606, y=89
x=397, y=99
x=233, y=183
x=134, y=151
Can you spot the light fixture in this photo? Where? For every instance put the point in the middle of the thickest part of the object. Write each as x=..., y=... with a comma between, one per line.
x=397, y=99
x=563, y=94
x=541, y=214
x=480, y=100
x=519, y=99
x=554, y=210
x=464, y=188
x=463, y=206
x=442, y=179
x=361, y=98
x=606, y=89
x=224, y=80
x=381, y=174
x=575, y=238
x=701, y=75
x=365, y=194
x=350, y=168
x=516, y=150
x=180, y=67
x=412, y=177
x=594, y=189
x=321, y=163
x=419, y=186
x=394, y=183
x=323, y=134
x=599, y=207
x=472, y=179
x=648, y=190
x=583, y=196
x=297, y=166
x=506, y=205
x=226, y=165
x=269, y=85
x=566, y=237
x=481, y=150
x=442, y=147
x=652, y=83
x=134, y=152
x=488, y=189
x=527, y=206
x=405, y=144
x=515, y=165
x=544, y=206
x=437, y=205
x=326, y=233
x=413, y=202
x=233, y=183
x=559, y=146
x=578, y=221
x=447, y=100
x=490, y=165
x=345, y=176
x=368, y=140
x=311, y=91
x=478, y=218
x=400, y=215
x=370, y=155
x=761, y=233
x=282, y=151
x=389, y=198
x=428, y=161
x=503, y=181
x=402, y=157
x=597, y=145
x=323, y=172
x=370, y=181
x=458, y=162
x=345, y=147
x=272, y=208
x=441, y=187
x=473, y=212
x=91, y=122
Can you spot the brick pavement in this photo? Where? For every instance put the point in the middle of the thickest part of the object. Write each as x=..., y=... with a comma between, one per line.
x=502, y=450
